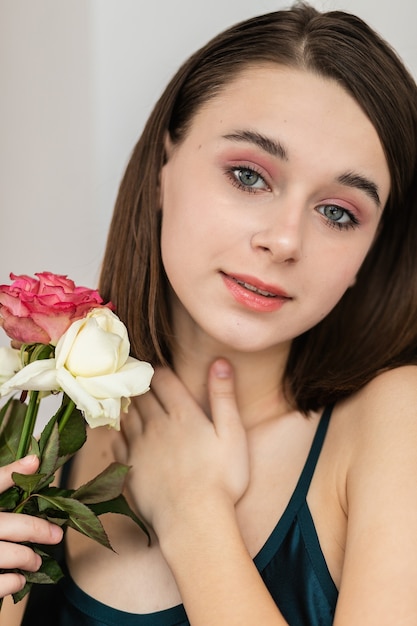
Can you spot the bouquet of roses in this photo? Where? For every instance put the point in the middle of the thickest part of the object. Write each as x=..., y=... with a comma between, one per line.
x=66, y=341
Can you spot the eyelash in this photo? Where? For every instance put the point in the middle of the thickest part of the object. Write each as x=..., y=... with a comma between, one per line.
x=231, y=174
x=353, y=223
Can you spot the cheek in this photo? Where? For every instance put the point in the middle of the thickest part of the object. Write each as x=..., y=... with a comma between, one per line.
x=337, y=273
x=181, y=244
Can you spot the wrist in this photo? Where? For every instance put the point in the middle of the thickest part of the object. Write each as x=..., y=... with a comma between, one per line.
x=194, y=524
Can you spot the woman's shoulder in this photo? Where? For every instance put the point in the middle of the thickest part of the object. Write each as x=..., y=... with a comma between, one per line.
x=389, y=398
x=378, y=426
x=377, y=437
x=391, y=383
x=374, y=432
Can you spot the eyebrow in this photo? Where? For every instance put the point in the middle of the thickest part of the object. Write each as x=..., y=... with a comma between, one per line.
x=350, y=179
x=276, y=149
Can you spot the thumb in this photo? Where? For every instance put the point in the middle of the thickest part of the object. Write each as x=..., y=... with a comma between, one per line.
x=223, y=403
x=27, y=465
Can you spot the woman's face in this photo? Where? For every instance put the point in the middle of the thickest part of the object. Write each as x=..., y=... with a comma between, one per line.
x=270, y=205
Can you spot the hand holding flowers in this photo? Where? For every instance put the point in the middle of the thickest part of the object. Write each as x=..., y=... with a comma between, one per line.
x=70, y=343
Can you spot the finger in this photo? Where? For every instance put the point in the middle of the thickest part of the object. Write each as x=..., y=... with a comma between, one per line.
x=120, y=449
x=149, y=407
x=27, y=465
x=131, y=422
x=170, y=392
x=14, y=527
x=224, y=410
x=16, y=556
x=11, y=583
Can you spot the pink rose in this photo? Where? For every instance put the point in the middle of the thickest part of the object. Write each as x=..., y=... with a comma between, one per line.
x=40, y=310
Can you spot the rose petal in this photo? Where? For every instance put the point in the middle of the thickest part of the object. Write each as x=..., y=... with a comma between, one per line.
x=84, y=349
x=10, y=363
x=105, y=412
x=83, y=400
x=110, y=416
x=94, y=351
x=51, y=301
x=24, y=330
x=132, y=379
x=65, y=342
x=37, y=376
x=108, y=321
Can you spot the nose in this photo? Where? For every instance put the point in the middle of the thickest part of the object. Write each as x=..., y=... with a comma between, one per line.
x=281, y=234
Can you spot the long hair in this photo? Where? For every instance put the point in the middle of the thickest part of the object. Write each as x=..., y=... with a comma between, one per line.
x=374, y=326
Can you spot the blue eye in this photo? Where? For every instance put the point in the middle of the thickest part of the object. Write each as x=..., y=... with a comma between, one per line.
x=247, y=179
x=337, y=217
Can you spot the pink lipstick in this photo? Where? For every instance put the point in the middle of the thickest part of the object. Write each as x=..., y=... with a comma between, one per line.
x=255, y=294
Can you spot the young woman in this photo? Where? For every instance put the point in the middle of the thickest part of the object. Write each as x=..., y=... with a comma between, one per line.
x=262, y=253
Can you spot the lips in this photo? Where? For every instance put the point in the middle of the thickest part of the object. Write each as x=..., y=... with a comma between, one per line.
x=256, y=285
x=261, y=292
x=255, y=294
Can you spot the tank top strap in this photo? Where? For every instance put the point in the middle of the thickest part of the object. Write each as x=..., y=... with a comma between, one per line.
x=302, y=487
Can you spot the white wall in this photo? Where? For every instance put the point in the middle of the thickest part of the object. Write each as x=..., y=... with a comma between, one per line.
x=78, y=78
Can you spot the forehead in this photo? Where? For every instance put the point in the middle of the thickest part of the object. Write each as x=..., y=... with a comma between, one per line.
x=284, y=93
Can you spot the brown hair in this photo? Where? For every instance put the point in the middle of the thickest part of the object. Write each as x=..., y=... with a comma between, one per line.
x=374, y=326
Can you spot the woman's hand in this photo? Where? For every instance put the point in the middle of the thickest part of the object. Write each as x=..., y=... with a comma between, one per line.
x=181, y=459
x=16, y=528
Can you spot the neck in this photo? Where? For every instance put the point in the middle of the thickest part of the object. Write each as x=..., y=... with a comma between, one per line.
x=258, y=378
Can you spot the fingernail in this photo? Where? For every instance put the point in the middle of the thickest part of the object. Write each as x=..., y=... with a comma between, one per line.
x=28, y=460
x=222, y=369
x=38, y=562
x=22, y=581
x=56, y=533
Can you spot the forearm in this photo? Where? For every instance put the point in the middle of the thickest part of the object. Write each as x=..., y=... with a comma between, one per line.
x=217, y=579
x=12, y=614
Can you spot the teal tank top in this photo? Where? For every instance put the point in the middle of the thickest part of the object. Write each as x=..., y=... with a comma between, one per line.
x=291, y=564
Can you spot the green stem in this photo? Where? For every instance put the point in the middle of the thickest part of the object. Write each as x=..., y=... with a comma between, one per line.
x=29, y=424
x=21, y=504
x=66, y=415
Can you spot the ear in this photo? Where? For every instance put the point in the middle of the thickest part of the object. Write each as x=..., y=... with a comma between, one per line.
x=169, y=148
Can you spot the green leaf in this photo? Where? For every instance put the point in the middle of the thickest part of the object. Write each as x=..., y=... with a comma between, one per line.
x=49, y=449
x=34, y=447
x=81, y=518
x=107, y=485
x=3, y=412
x=28, y=506
x=73, y=435
x=19, y=595
x=28, y=482
x=9, y=499
x=119, y=505
x=53, y=492
x=12, y=426
x=48, y=573
x=46, y=432
x=52, y=516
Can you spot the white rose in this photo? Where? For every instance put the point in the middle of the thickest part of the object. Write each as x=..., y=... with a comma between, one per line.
x=10, y=363
x=92, y=366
